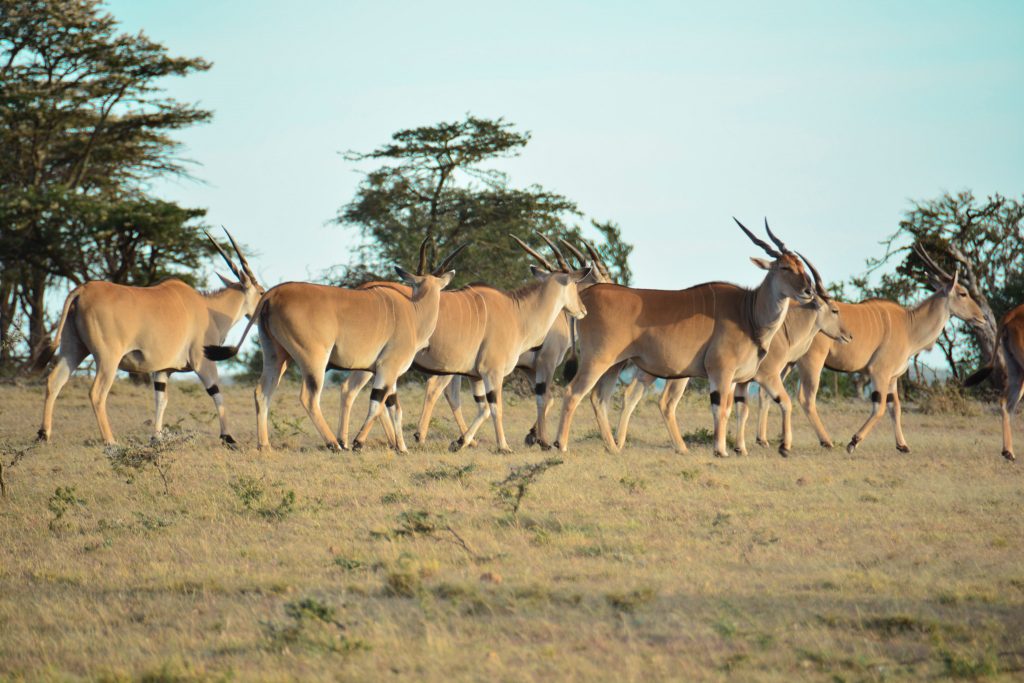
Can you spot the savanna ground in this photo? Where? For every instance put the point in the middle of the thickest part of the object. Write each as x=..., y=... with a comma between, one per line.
x=646, y=565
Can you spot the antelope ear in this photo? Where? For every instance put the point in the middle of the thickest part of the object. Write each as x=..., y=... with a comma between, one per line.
x=539, y=272
x=406, y=276
x=584, y=274
x=446, y=278
x=763, y=264
x=227, y=282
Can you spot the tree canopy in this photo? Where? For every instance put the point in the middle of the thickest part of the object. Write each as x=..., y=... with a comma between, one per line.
x=84, y=126
x=985, y=238
x=434, y=184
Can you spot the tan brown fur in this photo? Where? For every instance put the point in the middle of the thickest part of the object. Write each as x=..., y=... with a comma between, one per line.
x=156, y=330
x=715, y=330
x=885, y=337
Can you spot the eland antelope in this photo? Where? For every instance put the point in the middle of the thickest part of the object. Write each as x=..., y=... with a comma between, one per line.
x=158, y=330
x=486, y=332
x=541, y=361
x=802, y=323
x=716, y=330
x=320, y=327
x=1009, y=352
x=885, y=337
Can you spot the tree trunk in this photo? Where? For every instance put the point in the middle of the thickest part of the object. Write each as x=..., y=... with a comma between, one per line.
x=38, y=336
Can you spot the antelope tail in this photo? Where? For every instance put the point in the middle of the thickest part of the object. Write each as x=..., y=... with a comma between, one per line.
x=44, y=358
x=982, y=373
x=215, y=352
x=572, y=364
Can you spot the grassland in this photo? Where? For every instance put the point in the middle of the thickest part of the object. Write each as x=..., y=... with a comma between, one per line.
x=645, y=565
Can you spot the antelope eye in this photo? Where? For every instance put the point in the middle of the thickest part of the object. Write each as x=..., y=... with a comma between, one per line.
x=963, y=294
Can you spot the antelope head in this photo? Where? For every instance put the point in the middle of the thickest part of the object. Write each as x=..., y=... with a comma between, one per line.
x=566, y=279
x=828, y=321
x=246, y=281
x=785, y=271
x=425, y=280
x=960, y=302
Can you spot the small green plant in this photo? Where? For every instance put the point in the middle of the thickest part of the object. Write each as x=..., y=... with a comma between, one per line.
x=394, y=497
x=285, y=426
x=63, y=500
x=16, y=454
x=423, y=523
x=348, y=564
x=969, y=664
x=446, y=471
x=132, y=458
x=313, y=625
x=512, y=489
x=689, y=474
x=633, y=484
x=252, y=494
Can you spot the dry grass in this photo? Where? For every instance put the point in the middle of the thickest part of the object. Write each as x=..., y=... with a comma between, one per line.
x=641, y=566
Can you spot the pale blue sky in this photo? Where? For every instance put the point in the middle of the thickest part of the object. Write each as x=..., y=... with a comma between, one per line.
x=667, y=117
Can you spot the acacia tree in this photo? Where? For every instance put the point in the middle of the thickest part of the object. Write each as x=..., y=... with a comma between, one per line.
x=84, y=126
x=433, y=184
x=985, y=239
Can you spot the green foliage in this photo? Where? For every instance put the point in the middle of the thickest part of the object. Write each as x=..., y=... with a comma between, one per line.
x=84, y=128
x=512, y=489
x=434, y=184
x=311, y=625
x=444, y=471
x=984, y=238
x=252, y=494
x=63, y=500
x=130, y=459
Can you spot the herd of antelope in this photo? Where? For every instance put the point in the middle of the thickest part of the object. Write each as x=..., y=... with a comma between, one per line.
x=728, y=334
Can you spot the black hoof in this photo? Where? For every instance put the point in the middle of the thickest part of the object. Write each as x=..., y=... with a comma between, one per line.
x=783, y=451
x=557, y=446
x=544, y=445
x=357, y=445
x=228, y=441
x=903, y=449
x=763, y=442
x=457, y=444
x=826, y=444
x=41, y=436
x=416, y=435
x=1009, y=456
x=531, y=437
x=852, y=446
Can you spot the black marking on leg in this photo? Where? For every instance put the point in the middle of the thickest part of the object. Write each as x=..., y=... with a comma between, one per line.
x=903, y=448
x=1006, y=454
x=357, y=445
x=492, y=397
x=391, y=400
x=541, y=388
x=41, y=436
x=891, y=398
x=377, y=395
x=212, y=390
x=740, y=399
x=311, y=383
x=876, y=397
x=159, y=386
x=716, y=398
x=479, y=399
x=777, y=399
x=228, y=439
